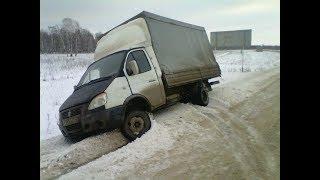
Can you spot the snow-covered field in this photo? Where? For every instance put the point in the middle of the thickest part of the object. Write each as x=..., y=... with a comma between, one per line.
x=59, y=73
x=231, y=61
x=235, y=137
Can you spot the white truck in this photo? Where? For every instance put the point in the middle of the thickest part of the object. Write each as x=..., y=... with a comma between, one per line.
x=144, y=64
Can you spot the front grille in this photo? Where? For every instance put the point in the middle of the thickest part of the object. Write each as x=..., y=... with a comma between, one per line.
x=75, y=112
x=74, y=127
x=71, y=112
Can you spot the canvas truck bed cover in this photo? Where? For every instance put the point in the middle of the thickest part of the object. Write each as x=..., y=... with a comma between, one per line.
x=183, y=50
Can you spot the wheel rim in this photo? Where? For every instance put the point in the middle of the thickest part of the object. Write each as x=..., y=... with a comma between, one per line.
x=136, y=125
x=204, y=96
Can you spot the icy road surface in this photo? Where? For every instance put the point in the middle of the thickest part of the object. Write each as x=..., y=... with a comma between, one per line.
x=237, y=136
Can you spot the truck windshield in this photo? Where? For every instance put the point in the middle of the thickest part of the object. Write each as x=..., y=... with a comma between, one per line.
x=103, y=68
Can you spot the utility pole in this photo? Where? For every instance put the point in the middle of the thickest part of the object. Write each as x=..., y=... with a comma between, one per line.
x=243, y=41
x=242, y=59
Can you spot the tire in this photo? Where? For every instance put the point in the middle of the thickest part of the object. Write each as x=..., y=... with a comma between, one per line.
x=201, y=96
x=136, y=123
x=72, y=139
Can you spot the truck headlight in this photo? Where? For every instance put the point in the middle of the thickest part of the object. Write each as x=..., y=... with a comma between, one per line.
x=98, y=101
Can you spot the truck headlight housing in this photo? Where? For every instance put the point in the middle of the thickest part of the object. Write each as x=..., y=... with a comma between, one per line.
x=98, y=101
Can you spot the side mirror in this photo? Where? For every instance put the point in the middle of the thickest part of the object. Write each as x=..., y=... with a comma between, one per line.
x=133, y=68
x=129, y=71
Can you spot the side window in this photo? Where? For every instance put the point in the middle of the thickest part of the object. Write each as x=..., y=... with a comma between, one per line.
x=142, y=61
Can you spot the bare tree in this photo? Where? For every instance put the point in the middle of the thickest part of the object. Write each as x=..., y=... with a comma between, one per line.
x=68, y=38
x=98, y=36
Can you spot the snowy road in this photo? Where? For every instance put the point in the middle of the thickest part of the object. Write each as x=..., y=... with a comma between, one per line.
x=237, y=136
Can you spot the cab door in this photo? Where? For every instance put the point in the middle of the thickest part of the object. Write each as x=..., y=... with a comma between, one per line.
x=145, y=81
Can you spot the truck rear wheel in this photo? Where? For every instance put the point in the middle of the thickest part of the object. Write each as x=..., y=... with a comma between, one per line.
x=201, y=96
x=136, y=123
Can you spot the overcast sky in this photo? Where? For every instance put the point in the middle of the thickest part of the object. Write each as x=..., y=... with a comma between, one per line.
x=262, y=16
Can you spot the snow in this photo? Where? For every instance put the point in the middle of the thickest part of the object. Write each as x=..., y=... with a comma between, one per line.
x=157, y=139
x=230, y=62
x=58, y=156
x=59, y=73
x=204, y=142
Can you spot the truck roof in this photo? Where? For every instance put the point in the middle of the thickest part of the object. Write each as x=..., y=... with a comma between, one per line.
x=145, y=14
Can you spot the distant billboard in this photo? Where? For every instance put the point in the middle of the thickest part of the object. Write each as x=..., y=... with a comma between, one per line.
x=237, y=39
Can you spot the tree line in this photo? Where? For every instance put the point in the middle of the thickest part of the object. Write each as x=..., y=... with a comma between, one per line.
x=68, y=38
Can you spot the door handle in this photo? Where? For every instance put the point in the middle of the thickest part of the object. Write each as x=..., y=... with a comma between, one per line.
x=152, y=80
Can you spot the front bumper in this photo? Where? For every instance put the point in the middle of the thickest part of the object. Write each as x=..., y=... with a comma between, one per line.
x=77, y=121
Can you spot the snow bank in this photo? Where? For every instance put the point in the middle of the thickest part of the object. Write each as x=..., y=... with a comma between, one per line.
x=58, y=156
x=156, y=139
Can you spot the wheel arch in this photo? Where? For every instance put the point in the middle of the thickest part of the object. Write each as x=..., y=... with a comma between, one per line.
x=137, y=101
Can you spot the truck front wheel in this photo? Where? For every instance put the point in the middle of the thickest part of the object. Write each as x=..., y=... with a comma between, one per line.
x=136, y=123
